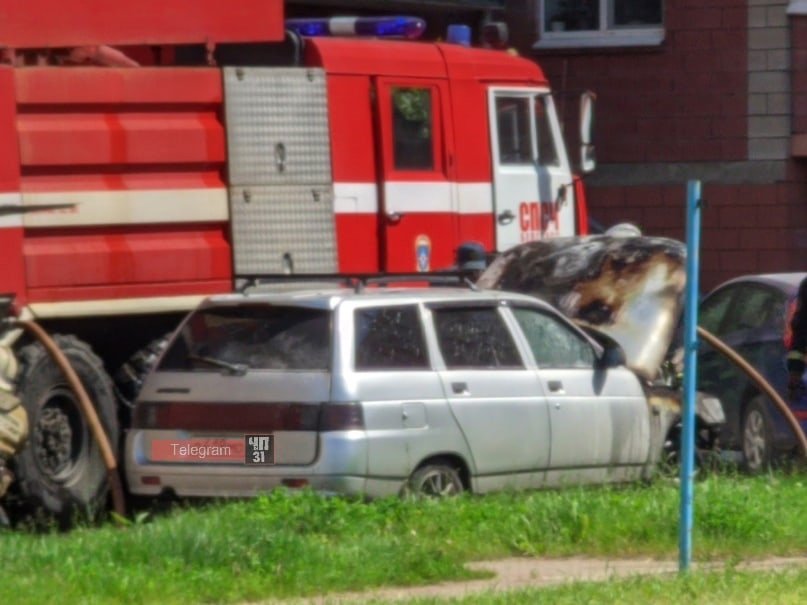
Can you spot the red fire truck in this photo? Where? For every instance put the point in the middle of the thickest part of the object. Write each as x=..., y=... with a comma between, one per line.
x=149, y=158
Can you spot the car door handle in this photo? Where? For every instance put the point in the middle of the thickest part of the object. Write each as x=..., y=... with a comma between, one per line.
x=460, y=388
x=555, y=386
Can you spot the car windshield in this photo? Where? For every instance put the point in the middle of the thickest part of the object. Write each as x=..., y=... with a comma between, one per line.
x=264, y=337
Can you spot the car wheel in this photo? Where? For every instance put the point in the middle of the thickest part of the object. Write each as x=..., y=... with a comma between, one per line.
x=756, y=437
x=435, y=481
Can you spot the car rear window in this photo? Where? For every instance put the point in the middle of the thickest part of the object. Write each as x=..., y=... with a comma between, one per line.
x=262, y=337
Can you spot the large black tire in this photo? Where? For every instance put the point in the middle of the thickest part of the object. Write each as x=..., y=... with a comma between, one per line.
x=757, y=438
x=60, y=471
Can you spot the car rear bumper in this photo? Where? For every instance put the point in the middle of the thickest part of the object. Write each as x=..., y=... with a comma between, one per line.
x=340, y=466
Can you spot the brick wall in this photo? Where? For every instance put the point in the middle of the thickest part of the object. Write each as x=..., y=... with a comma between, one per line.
x=683, y=101
x=768, y=80
x=746, y=228
x=799, y=74
x=713, y=102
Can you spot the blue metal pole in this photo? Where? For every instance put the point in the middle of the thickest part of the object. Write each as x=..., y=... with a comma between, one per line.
x=693, y=234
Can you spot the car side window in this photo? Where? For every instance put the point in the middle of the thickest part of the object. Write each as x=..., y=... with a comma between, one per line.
x=755, y=304
x=390, y=338
x=713, y=311
x=776, y=315
x=475, y=337
x=553, y=343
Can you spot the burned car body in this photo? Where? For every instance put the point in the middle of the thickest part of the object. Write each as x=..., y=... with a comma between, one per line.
x=629, y=288
x=626, y=288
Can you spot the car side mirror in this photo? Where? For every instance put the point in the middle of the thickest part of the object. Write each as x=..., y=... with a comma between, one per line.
x=588, y=158
x=612, y=356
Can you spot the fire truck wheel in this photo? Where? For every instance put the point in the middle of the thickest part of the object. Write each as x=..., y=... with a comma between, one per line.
x=60, y=471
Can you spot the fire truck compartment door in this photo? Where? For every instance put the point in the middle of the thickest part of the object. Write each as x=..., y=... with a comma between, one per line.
x=281, y=188
x=419, y=225
x=530, y=168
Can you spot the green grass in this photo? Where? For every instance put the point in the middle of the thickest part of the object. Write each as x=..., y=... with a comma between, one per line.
x=299, y=544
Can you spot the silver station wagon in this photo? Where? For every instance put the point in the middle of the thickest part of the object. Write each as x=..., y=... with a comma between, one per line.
x=379, y=391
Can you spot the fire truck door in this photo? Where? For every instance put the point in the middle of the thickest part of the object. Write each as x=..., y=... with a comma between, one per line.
x=419, y=222
x=532, y=190
x=281, y=189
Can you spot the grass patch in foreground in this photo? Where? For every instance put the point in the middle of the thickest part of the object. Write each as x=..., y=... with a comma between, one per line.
x=735, y=587
x=299, y=544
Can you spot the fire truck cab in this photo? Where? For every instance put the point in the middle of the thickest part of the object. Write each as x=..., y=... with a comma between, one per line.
x=226, y=148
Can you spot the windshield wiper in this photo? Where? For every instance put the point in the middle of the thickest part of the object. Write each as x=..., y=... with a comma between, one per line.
x=234, y=369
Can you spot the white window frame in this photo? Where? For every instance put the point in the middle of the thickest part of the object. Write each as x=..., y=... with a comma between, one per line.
x=601, y=37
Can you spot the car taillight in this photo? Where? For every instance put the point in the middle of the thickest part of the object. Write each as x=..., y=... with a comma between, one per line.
x=341, y=417
x=226, y=416
x=788, y=332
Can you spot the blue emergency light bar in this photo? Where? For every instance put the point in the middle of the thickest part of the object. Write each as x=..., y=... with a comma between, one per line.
x=380, y=27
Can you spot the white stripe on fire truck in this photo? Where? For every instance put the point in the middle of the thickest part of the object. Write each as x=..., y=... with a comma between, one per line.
x=404, y=196
x=475, y=198
x=132, y=207
x=10, y=206
x=115, y=306
x=85, y=208
x=471, y=198
x=355, y=198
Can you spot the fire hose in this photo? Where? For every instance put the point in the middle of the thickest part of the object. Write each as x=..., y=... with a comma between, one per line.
x=87, y=409
x=763, y=384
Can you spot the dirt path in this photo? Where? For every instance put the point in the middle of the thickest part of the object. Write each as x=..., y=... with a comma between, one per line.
x=513, y=574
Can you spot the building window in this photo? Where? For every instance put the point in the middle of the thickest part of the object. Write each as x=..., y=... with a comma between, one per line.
x=580, y=23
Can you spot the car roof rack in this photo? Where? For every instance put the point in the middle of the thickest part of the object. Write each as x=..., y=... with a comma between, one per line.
x=359, y=281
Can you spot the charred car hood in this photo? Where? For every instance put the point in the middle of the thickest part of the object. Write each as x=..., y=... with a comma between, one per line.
x=629, y=288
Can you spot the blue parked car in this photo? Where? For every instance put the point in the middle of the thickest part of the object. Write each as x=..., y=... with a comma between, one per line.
x=750, y=314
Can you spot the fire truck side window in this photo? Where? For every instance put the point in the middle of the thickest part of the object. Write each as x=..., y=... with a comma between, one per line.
x=515, y=141
x=412, y=128
x=547, y=154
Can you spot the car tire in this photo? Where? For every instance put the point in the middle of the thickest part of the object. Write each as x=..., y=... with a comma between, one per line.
x=757, y=441
x=60, y=472
x=435, y=480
